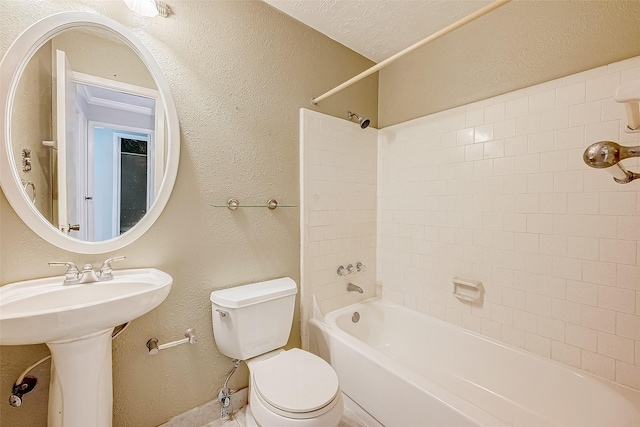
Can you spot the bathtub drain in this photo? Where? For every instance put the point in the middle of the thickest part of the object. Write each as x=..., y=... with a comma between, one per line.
x=356, y=317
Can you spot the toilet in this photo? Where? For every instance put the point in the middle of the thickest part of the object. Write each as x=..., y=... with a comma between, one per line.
x=287, y=388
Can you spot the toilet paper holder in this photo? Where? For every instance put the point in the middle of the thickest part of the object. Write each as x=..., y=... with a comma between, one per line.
x=154, y=347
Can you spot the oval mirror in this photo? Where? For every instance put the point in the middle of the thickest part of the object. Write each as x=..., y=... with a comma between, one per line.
x=90, y=136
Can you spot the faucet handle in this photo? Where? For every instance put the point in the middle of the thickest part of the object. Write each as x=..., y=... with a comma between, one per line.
x=360, y=267
x=351, y=269
x=72, y=276
x=106, y=271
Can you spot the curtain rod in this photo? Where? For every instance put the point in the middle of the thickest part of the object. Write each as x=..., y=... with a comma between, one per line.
x=471, y=17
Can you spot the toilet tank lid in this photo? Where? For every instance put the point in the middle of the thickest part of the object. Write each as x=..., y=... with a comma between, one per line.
x=253, y=293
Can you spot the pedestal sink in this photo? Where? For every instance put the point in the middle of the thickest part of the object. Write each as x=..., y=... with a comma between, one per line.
x=76, y=322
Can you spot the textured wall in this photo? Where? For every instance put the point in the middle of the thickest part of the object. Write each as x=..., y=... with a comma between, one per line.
x=239, y=72
x=497, y=191
x=338, y=201
x=518, y=45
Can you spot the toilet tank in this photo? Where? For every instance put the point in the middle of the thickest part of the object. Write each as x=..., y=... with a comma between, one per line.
x=253, y=319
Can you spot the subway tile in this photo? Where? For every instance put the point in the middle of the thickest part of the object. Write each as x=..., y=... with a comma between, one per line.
x=493, y=149
x=603, y=86
x=599, y=226
x=603, y=131
x=531, y=123
x=618, y=251
x=525, y=321
x=540, y=183
x=568, y=225
x=625, y=64
x=494, y=113
x=599, y=319
x=515, y=222
x=629, y=227
x=580, y=336
x=565, y=353
x=537, y=344
x=628, y=277
x=502, y=314
x=598, y=364
x=554, y=119
x=551, y=328
x=584, y=114
x=617, y=299
x=584, y=75
x=568, y=182
x=542, y=101
x=529, y=163
x=628, y=325
x=587, y=248
x=616, y=347
x=514, y=298
x=582, y=292
x=570, y=94
x=612, y=110
x=554, y=203
x=556, y=242
x=583, y=203
x=473, y=152
x=553, y=245
x=483, y=133
x=513, y=336
x=503, y=165
x=539, y=223
x=516, y=184
x=464, y=136
x=504, y=129
x=571, y=137
x=517, y=107
x=602, y=273
x=516, y=146
x=543, y=87
x=566, y=311
x=474, y=118
x=554, y=160
x=619, y=203
x=541, y=142
x=538, y=304
x=567, y=268
x=628, y=374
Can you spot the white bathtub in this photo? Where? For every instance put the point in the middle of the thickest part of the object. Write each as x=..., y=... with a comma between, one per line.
x=407, y=369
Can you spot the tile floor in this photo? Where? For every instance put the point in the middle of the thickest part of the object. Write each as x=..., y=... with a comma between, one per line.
x=348, y=420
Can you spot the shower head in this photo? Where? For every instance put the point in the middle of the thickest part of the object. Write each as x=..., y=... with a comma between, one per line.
x=364, y=123
x=604, y=154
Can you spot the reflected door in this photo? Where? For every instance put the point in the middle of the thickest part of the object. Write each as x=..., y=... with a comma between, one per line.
x=68, y=130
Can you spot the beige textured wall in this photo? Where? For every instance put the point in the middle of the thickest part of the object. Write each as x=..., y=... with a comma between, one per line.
x=35, y=85
x=239, y=72
x=521, y=44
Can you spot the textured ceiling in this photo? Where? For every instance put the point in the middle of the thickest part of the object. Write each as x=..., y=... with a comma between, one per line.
x=377, y=29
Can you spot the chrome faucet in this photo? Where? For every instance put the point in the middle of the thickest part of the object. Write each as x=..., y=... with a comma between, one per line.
x=354, y=288
x=74, y=276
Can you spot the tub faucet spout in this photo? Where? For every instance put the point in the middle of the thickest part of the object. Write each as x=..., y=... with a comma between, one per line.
x=354, y=288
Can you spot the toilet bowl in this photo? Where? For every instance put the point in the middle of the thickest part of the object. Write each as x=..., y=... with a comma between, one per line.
x=293, y=388
x=287, y=388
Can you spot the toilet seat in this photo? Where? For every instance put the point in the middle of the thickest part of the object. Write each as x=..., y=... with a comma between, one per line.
x=296, y=384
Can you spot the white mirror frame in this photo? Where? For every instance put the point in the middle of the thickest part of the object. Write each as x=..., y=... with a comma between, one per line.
x=11, y=68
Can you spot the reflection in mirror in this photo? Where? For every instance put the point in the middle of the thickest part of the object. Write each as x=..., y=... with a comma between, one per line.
x=88, y=109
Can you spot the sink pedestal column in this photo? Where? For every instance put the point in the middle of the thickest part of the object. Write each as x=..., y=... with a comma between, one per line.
x=81, y=389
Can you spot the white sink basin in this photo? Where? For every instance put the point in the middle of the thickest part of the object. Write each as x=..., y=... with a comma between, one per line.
x=43, y=310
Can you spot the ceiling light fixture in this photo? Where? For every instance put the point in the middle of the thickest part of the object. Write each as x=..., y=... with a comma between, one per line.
x=150, y=8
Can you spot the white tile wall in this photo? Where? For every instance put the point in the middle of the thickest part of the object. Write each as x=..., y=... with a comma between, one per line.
x=497, y=191
x=338, y=205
